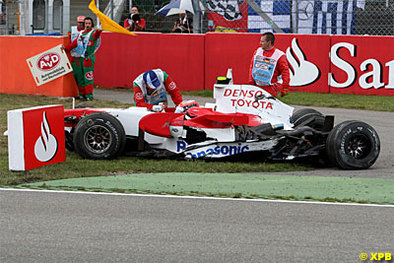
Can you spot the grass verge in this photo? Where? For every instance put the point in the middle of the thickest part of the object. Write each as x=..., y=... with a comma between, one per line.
x=240, y=185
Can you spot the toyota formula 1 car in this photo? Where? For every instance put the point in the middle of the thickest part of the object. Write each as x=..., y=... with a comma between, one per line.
x=244, y=121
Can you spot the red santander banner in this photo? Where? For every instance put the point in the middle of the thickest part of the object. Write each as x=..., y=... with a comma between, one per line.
x=362, y=65
x=308, y=59
x=318, y=63
x=35, y=137
x=307, y=55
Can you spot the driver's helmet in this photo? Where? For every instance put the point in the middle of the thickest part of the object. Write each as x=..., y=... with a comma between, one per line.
x=152, y=81
x=185, y=105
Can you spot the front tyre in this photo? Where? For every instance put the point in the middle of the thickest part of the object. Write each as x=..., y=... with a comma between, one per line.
x=99, y=136
x=353, y=145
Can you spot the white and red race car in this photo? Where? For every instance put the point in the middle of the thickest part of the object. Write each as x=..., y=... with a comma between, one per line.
x=244, y=121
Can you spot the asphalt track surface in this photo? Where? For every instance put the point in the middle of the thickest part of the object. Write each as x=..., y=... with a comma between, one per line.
x=383, y=122
x=83, y=227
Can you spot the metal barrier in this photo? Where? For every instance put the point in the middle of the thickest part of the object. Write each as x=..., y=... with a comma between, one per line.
x=333, y=17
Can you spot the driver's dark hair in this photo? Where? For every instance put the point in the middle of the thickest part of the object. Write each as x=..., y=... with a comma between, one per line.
x=269, y=37
x=89, y=18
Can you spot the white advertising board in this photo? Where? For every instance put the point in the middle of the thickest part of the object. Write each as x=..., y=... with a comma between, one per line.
x=35, y=137
x=49, y=65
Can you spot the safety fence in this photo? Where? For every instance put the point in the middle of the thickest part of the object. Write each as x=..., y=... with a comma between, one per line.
x=318, y=63
x=333, y=17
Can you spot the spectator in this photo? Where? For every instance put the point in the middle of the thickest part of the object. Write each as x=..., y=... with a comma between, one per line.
x=151, y=87
x=85, y=46
x=2, y=15
x=134, y=22
x=183, y=24
x=267, y=64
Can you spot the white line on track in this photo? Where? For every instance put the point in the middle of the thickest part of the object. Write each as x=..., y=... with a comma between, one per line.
x=194, y=197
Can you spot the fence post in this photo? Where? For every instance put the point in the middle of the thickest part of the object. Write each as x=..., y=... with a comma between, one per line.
x=6, y=20
x=196, y=16
x=112, y=9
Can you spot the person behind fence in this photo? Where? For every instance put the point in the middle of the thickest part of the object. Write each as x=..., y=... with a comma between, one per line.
x=85, y=46
x=183, y=24
x=134, y=22
x=74, y=30
x=267, y=64
x=151, y=87
x=2, y=14
x=73, y=34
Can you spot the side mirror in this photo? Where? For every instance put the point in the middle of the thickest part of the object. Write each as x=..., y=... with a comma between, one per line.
x=259, y=97
x=222, y=80
x=262, y=96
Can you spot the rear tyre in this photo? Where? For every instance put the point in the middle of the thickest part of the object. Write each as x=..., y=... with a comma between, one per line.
x=308, y=117
x=353, y=145
x=99, y=136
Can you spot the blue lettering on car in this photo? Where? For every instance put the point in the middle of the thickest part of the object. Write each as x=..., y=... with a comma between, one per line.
x=201, y=154
x=210, y=151
x=219, y=150
x=180, y=146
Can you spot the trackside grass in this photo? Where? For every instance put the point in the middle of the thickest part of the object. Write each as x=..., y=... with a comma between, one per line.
x=349, y=101
x=75, y=166
x=235, y=185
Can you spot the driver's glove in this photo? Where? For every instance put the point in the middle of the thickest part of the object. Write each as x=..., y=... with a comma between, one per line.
x=158, y=108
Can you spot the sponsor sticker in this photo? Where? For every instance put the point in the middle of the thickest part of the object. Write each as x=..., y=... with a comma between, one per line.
x=213, y=150
x=49, y=65
x=218, y=150
x=139, y=96
x=48, y=61
x=172, y=86
x=246, y=98
x=89, y=75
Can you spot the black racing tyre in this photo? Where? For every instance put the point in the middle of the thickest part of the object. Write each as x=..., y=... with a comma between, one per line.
x=99, y=136
x=353, y=145
x=302, y=115
x=69, y=141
